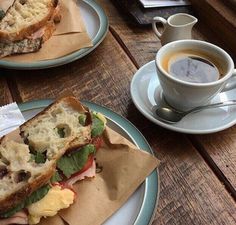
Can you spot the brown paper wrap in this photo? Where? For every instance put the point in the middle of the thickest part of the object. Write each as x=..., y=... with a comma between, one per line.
x=5, y=4
x=70, y=35
x=124, y=169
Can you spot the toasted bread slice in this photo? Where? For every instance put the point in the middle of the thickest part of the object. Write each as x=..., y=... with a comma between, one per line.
x=58, y=128
x=52, y=132
x=25, y=17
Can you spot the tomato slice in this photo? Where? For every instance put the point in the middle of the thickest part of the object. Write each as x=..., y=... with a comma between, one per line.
x=86, y=166
x=97, y=141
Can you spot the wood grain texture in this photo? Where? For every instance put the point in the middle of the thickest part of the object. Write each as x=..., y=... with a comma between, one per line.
x=190, y=193
x=222, y=148
x=5, y=95
x=141, y=42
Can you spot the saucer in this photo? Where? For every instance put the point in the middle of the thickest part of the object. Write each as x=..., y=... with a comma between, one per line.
x=146, y=93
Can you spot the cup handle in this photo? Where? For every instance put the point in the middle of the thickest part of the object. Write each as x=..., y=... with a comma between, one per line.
x=231, y=83
x=158, y=20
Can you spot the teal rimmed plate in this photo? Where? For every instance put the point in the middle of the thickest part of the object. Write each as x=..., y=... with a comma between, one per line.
x=141, y=206
x=96, y=23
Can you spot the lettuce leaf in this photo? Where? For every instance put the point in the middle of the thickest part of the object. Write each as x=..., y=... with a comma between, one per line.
x=38, y=157
x=2, y=14
x=74, y=162
x=98, y=125
x=34, y=197
x=82, y=119
x=56, y=177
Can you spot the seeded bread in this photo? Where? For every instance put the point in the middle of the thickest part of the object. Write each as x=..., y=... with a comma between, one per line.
x=54, y=131
x=17, y=47
x=25, y=17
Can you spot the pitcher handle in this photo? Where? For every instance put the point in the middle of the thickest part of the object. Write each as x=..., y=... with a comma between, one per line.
x=154, y=27
x=231, y=83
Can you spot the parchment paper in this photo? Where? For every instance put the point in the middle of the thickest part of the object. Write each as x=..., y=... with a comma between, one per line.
x=5, y=4
x=70, y=35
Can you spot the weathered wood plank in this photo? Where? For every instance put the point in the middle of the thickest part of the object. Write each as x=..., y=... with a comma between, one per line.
x=222, y=148
x=5, y=95
x=141, y=42
x=190, y=192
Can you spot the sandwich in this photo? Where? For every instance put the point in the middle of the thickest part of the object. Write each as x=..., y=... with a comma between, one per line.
x=56, y=149
x=26, y=25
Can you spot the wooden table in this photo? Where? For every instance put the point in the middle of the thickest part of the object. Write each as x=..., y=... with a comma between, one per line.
x=198, y=177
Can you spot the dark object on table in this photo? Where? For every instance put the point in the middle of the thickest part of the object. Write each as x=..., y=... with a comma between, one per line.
x=144, y=15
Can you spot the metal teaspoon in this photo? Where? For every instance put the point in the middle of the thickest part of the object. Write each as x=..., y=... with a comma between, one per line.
x=170, y=115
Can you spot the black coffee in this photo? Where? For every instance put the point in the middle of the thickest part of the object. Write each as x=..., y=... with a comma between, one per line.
x=190, y=67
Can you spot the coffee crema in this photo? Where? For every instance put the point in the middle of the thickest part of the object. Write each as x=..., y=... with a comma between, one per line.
x=192, y=66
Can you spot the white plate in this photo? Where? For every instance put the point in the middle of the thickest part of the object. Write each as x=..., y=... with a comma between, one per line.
x=141, y=206
x=146, y=93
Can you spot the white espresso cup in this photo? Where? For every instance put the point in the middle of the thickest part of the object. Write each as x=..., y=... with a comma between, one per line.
x=185, y=95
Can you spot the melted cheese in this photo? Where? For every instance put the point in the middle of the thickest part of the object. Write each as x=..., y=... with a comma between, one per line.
x=56, y=199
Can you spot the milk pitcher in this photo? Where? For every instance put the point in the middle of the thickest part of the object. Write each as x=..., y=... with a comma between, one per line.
x=176, y=27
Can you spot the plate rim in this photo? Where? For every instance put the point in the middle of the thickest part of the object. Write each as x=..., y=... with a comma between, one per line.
x=165, y=125
x=99, y=37
x=152, y=182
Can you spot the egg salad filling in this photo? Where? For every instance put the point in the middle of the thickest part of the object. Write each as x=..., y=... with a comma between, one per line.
x=56, y=199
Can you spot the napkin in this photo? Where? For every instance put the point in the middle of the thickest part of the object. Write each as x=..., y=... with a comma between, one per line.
x=163, y=3
x=10, y=118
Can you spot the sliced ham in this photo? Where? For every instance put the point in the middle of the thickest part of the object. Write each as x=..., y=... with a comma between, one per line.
x=91, y=172
x=38, y=34
x=19, y=218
